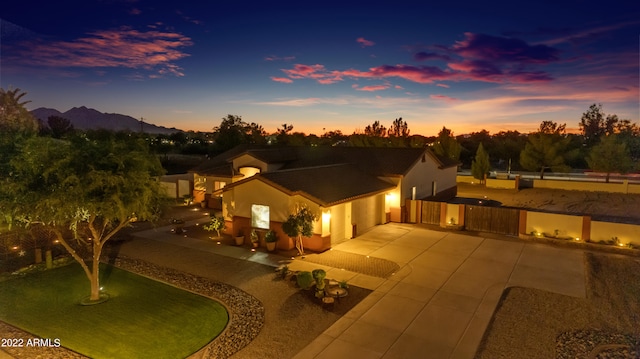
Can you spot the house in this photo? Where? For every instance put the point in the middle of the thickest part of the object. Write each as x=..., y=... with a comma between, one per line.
x=351, y=189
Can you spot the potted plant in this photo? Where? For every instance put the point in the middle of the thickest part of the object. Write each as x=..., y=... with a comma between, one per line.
x=270, y=239
x=239, y=239
x=255, y=240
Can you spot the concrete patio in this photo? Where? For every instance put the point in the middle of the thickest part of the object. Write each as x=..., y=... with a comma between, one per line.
x=441, y=301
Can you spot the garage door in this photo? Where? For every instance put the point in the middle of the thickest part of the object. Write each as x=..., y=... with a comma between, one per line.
x=365, y=213
x=338, y=234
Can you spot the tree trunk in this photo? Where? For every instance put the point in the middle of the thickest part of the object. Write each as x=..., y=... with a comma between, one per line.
x=542, y=173
x=95, y=272
x=48, y=258
x=299, y=245
x=607, y=178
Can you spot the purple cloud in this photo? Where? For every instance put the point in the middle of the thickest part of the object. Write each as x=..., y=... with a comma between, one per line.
x=424, y=56
x=504, y=50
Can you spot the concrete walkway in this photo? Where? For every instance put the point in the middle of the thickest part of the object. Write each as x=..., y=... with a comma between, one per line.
x=440, y=301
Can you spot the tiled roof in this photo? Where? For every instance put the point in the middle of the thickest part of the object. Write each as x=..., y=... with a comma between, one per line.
x=325, y=185
x=378, y=161
x=214, y=167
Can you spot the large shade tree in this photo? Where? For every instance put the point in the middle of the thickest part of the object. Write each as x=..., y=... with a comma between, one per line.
x=81, y=191
x=609, y=156
x=544, y=151
x=446, y=145
x=595, y=124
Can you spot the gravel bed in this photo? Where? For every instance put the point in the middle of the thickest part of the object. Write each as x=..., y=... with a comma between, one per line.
x=596, y=344
x=531, y=323
x=246, y=314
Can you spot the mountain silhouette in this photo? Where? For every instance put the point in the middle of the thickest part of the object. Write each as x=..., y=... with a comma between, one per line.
x=83, y=118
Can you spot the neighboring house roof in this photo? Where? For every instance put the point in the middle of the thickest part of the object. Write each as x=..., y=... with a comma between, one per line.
x=379, y=161
x=217, y=166
x=270, y=154
x=325, y=185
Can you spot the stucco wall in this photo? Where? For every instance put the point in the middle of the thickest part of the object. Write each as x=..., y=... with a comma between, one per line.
x=467, y=179
x=548, y=223
x=171, y=189
x=368, y=212
x=238, y=201
x=340, y=222
x=588, y=186
x=500, y=183
x=626, y=233
x=423, y=174
x=453, y=214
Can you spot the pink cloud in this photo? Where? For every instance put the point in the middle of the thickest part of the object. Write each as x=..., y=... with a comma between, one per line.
x=155, y=51
x=284, y=80
x=443, y=85
x=364, y=42
x=422, y=74
x=373, y=88
x=443, y=98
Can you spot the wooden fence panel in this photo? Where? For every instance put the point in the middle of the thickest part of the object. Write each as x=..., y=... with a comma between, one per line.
x=492, y=219
x=430, y=212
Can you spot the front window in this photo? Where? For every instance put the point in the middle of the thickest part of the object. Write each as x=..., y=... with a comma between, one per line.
x=259, y=216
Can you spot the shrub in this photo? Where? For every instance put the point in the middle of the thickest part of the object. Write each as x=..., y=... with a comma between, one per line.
x=216, y=224
x=304, y=280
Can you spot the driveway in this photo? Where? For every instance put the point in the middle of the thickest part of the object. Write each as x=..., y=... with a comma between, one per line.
x=441, y=300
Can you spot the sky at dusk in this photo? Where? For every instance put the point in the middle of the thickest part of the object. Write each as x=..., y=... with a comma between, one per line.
x=501, y=65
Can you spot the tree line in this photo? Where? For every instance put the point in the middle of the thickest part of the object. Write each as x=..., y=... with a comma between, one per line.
x=604, y=143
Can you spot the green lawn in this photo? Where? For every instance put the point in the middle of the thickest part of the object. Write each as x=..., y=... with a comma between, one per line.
x=143, y=319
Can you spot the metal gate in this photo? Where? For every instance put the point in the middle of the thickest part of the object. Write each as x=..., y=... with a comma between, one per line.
x=492, y=219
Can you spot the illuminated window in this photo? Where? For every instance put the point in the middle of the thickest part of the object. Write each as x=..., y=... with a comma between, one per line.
x=259, y=216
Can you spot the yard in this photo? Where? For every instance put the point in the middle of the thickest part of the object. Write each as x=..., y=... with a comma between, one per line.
x=142, y=319
x=531, y=323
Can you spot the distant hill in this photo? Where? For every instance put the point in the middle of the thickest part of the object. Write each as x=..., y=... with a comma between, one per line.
x=83, y=118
